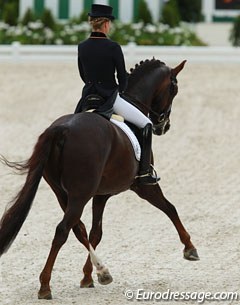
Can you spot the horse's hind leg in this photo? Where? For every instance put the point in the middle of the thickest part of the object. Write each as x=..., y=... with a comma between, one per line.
x=70, y=219
x=154, y=195
x=95, y=236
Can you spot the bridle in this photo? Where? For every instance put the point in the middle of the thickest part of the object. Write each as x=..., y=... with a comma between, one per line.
x=162, y=118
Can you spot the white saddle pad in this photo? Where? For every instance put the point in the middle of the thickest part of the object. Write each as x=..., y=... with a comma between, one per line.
x=133, y=139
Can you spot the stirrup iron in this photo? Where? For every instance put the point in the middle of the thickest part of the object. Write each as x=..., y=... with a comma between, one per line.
x=149, y=178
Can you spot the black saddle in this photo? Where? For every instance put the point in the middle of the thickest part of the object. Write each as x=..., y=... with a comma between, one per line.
x=92, y=101
x=99, y=105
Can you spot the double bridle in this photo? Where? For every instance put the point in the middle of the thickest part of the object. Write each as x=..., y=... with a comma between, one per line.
x=162, y=118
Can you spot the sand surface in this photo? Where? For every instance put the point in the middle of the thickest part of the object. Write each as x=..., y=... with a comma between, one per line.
x=198, y=160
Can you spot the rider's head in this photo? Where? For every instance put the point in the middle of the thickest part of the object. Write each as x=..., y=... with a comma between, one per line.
x=100, y=17
x=100, y=24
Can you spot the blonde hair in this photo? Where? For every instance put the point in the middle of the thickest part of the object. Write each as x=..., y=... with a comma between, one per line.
x=97, y=22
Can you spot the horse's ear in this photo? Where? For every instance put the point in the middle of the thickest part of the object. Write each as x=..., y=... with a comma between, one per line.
x=177, y=69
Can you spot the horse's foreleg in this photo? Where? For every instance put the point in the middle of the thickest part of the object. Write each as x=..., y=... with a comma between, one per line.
x=153, y=194
x=95, y=236
x=70, y=219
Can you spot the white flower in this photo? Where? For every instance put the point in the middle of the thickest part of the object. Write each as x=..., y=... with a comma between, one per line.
x=137, y=32
x=151, y=28
x=163, y=27
x=18, y=31
x=28, y=33
x=137, y=26
x=178, y=30
x=84, y=26
x=68, y=30
x=58, y=41
x=171, y=30
x=35, y=25
x=4, y=26
x=11, y=30
x=73, y=38
x=48, y=33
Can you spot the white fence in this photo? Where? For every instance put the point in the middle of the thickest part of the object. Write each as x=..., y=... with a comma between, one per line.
x=133, y=54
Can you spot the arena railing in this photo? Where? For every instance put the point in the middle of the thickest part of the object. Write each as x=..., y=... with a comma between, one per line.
x=133, y=53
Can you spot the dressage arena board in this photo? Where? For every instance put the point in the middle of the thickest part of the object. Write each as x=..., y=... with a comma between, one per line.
x=198, y=160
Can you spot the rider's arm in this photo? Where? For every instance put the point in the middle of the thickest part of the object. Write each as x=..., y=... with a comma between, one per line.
x=120, y=67
x=80, y=68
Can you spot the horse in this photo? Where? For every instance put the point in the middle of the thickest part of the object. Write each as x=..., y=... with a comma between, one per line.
x=84, y=156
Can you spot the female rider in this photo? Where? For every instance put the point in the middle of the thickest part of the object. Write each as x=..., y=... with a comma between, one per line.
x=98, y=59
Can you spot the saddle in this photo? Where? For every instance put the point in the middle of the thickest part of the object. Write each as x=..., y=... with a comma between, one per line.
x=93, y=102
x=99, y=105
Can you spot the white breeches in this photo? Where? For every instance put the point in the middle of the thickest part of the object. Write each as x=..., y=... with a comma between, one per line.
x=130, y=113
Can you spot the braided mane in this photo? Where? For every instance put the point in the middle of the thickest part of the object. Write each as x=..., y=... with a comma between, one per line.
x=143, y=68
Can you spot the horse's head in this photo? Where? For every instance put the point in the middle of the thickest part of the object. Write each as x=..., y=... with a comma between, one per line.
x=152, y=87
x=161, y=105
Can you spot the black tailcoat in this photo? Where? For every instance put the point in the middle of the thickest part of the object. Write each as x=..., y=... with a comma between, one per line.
x=98, y=60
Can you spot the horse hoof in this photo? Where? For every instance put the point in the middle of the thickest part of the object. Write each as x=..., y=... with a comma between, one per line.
x=191, y=255
x=104, y=278
x=44, y=295
x=86, y=285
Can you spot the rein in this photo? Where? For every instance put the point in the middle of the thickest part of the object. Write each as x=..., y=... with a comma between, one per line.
x=136, y=103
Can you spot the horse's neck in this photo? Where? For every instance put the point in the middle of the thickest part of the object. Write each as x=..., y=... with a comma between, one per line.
x=145, y=87
x=142, y=95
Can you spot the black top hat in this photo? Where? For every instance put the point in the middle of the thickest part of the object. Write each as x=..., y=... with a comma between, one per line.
x=99, y=10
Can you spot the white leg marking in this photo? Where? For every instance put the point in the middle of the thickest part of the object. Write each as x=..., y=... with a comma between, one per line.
x=95, y=260
x=101, y=269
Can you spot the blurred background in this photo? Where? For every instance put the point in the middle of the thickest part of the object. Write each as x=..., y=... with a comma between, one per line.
x=152, y=22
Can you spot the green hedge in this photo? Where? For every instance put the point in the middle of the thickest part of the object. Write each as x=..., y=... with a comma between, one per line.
x=46, y=30
x=235, y=32
x=72, y=33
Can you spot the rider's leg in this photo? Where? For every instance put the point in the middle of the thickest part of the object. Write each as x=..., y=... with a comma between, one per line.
x=146, y=174
x=136, y=117
x=130, y=113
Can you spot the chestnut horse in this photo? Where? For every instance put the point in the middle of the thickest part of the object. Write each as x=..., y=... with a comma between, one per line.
x=84, y=156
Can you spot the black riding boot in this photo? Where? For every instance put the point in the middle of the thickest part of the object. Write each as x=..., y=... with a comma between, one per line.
x=146, y=175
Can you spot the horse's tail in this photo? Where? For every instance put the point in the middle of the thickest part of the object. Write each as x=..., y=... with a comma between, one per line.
x=16, y=214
